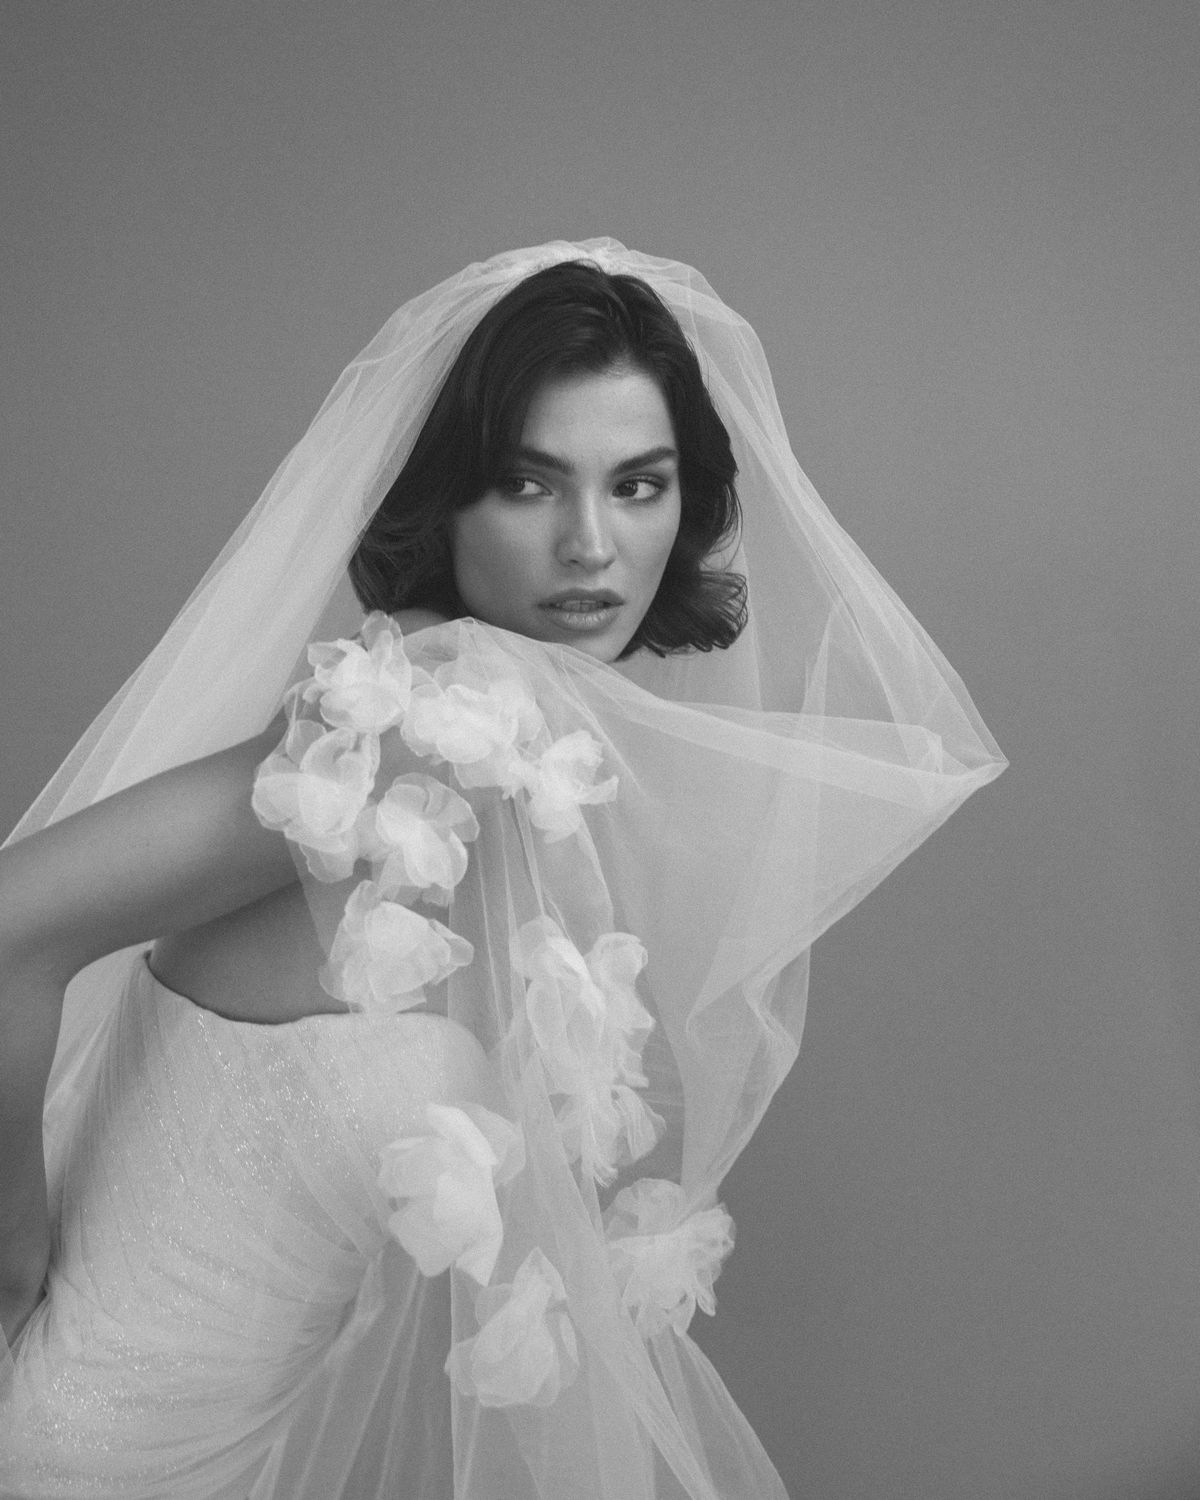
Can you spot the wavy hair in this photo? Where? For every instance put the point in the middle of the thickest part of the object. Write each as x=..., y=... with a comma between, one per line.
x=568, y=319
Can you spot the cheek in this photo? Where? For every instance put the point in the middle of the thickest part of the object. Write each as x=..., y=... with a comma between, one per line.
x=467, y=546
x=658, y=544
x=490, y=555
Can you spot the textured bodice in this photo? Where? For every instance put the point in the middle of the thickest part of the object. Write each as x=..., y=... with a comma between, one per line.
x=219, y=1208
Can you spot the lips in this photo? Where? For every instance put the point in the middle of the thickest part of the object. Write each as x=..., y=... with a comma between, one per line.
x=582, y=610
x=577, y=601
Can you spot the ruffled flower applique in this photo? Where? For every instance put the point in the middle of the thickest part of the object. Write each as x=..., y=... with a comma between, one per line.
x=383, y=955
x=525, y=1352
x=589, y=1027
x=449, y=1174
x=562, y=779
x=477, y=716
x=473, y=713
x=582, y=1017
x=315, y=791
x=664, y=1259
x=416, y=839
x=363, y=686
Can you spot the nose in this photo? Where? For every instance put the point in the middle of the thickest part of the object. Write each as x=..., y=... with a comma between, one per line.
x=586, y=539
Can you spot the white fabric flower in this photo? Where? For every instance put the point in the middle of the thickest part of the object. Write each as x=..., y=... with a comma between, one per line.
x=383, y=955
x=614, y=962
x=315, y=792
x=362, y=685
x=589, y=1028
x=475, y=719
x=415, y=839
x=664, y=1259
x=563, y=778
x=450, y=1174
x=525, y=1352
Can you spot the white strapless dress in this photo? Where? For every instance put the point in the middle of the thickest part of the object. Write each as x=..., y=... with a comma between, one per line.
x=218, y=1215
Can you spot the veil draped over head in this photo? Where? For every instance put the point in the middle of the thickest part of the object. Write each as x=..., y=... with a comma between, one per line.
x=627, y=867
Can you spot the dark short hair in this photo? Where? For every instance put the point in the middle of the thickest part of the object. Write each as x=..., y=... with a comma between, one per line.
x=570, y=318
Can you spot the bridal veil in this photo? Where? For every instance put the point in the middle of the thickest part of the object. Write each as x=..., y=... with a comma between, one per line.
x=628, y=867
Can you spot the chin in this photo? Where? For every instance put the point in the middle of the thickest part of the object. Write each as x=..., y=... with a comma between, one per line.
x=606, y=654
x=605, y=651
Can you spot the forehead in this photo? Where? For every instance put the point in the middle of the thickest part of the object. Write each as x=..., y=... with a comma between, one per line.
x=621, y=409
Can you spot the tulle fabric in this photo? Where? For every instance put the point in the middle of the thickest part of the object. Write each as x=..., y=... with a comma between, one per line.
x=759, y=793
x=733, y=839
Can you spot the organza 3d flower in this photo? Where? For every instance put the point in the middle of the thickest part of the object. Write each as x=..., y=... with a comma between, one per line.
x=476, y=720
x=589, y=1027
x=449, y=1173
x=362, y=685
x=562, y=779
x=525, y=1353
x=416, y=839
x=614, y=962
x=315, y=792
x=383, y=955
x=664, y=1259
x=604, y=1124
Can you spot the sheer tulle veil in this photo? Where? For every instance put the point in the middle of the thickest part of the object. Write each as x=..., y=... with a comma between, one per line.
x=759, y=793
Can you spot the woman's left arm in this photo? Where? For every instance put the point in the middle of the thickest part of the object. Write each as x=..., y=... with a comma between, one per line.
x=168, y=854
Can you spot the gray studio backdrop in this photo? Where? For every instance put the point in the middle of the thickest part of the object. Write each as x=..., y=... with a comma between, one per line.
x=969, y=1233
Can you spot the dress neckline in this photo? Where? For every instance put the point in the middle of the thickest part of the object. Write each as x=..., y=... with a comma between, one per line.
x=218, y=1019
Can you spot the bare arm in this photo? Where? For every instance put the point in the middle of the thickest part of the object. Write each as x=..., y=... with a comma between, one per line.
x=168, y=854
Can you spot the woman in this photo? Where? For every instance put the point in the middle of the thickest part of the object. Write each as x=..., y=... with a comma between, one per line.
x=545, y=961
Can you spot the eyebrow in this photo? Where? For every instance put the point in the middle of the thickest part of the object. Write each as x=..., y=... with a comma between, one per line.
x=557, y=465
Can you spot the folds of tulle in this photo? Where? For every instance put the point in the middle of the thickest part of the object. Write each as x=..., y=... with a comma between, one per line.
x=734, y=838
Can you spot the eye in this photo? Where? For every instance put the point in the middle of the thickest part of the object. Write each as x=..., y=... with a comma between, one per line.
x=640, y=487
x=518, y=487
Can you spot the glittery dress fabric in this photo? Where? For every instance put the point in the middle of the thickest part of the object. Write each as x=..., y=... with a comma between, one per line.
x=219, y=1211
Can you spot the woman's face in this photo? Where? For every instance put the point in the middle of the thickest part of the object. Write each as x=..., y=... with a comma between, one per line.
x=570, y=543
